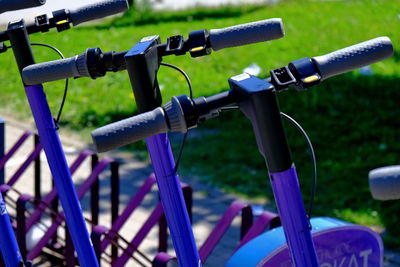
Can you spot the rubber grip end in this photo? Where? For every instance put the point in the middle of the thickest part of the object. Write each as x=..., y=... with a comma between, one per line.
x=10, y=5
x=97, y=10
x=50, y=71
x=129, y=130
x=384, y=183
x=253, y=32
x=354, y=57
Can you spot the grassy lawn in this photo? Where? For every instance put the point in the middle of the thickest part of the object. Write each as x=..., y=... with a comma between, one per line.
x=353, y=120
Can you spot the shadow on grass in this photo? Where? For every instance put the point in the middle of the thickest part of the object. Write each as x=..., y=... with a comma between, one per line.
x=396, y=55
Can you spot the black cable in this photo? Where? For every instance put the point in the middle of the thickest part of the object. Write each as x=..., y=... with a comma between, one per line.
x=184, y=74
x=313, y=161
x=229, y=108
x=287, y=117
x=178, y=160
x=57, y=119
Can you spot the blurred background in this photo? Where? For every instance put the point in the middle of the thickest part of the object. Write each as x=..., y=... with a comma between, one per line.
x=353, y=119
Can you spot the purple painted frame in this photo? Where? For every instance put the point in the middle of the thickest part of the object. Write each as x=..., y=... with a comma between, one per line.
x=172, y=200
x=8, y=242
x=293, y=217
x=80, y=193
x=61, y=174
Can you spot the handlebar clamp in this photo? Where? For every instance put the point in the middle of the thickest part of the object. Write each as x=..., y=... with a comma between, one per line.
x=61, y=19
x=305, y=72
x=199, y=43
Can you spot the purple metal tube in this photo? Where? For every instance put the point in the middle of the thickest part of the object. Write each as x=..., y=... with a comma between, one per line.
x=35, y=153
x=172, y=200
x=53, y=193
x=61, y=175
x=80, y=193
x=223, y=224
x=142, y=233
x=266, y=218
x=8, y=243
x=291, y=210
x=132, y=205
x=14, y=148
x=21, y=222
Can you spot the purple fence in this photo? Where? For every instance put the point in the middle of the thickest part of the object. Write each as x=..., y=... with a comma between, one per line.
x=122, y=250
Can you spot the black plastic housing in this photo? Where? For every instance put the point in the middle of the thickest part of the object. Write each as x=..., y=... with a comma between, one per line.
x=281, y=78
x=175, y=45
x=20, y=44
x=42, y=22
x=142, y=63
x=257, y=100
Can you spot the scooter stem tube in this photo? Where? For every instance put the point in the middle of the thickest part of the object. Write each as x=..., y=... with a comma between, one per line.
x=257, y=100
x=61, y=175
x=172, y=200
x=8, y=244
x=291, y=209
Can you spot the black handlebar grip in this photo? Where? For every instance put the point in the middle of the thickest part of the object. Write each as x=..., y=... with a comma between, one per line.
x=9, y=5
x=56, y=70
x=243, y=34
x=353, y=57
x=384, y=183
x=97, y=10
x=130, y=130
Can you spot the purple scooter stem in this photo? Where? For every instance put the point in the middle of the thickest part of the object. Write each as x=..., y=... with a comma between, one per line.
x=292, y=213
x=61, y=175
x=8, y=244
x=172, y=200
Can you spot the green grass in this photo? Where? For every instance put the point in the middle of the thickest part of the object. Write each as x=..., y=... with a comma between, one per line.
x=143, y=14
x=353, y=120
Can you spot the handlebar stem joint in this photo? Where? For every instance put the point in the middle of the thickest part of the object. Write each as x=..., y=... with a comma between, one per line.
x=142, y=63
x=257, y=100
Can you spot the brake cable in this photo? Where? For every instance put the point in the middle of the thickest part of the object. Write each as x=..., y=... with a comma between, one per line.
x=57, y=119
x=191, y=97
x=310, y=148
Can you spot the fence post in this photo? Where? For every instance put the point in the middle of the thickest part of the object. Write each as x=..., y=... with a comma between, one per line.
x=2, y=148
x=94, y=193
x=37, y=175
